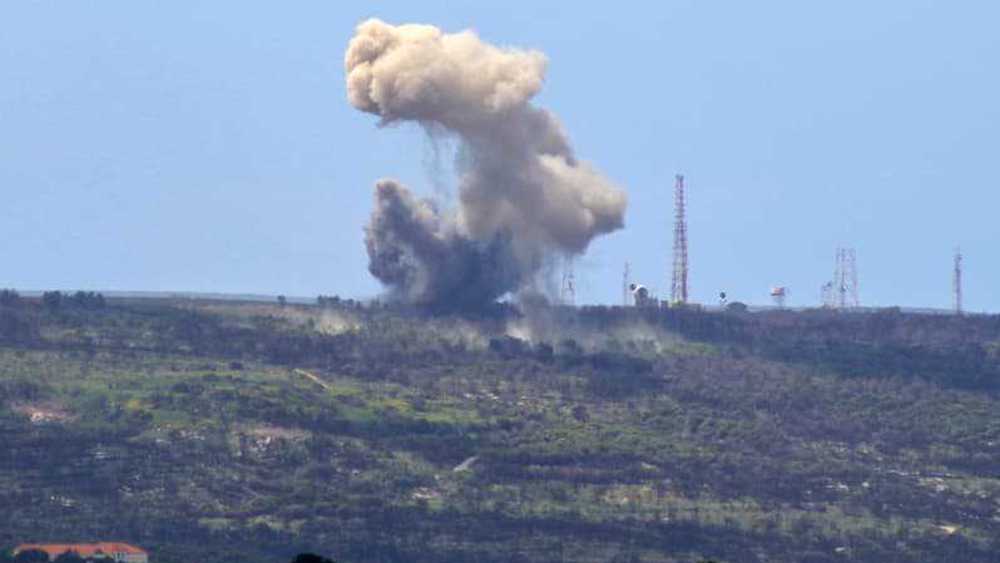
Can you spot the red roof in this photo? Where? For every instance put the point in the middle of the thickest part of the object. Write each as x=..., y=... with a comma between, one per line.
x=82, y=549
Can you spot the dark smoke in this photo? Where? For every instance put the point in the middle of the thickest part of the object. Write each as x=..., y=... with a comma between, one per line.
x=414, y=251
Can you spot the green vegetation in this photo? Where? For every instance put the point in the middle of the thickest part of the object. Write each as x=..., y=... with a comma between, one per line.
x=216, y=431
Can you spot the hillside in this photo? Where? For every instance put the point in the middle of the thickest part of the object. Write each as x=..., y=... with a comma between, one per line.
x=222, y=431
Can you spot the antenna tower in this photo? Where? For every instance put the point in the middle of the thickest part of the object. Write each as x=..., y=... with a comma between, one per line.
x=567, y=291
x=853, y=261
x=626, y=280
x=845, y=279
x=956, y=282
x=679, y=283
x=779, y=294
x=826, y=295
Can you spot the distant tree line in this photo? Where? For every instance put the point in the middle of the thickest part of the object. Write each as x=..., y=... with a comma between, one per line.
x=335, y=302
x=79, y=299
x=57, y=299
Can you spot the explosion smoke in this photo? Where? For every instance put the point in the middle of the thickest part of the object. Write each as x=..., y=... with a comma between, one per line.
x=523, y=195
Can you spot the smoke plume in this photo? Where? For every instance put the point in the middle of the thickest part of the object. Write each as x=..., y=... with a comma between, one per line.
x=522, y=194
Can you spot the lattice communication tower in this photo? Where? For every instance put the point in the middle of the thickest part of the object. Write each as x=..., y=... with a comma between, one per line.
x=626, y=281
x=845, y=280
x=956, y=283
x=679, y=281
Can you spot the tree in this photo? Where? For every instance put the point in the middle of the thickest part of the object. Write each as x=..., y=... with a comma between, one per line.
x=311, y=558
x=327, y=301
x=32, y=556
x=282, y=300
x=52, y=299
x=9, y=298
x=87, y=300
x=69, y=557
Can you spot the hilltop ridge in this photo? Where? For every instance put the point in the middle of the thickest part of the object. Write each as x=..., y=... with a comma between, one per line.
x=222, y=430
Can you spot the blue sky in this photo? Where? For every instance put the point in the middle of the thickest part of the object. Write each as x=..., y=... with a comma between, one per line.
x=209, y=146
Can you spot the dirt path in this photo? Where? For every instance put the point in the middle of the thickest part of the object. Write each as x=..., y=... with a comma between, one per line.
x=312, y=377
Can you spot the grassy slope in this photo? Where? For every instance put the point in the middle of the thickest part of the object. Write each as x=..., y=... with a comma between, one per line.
x=238, y=431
